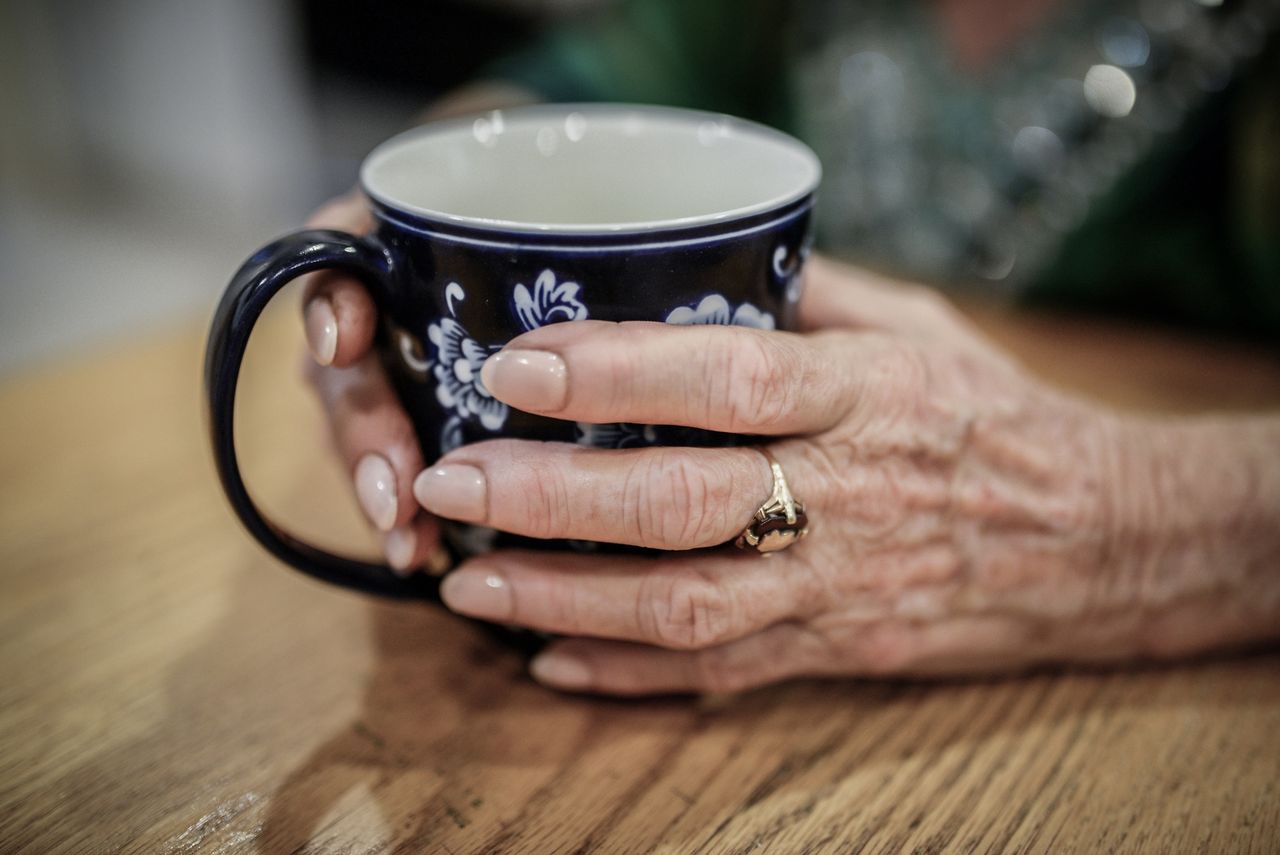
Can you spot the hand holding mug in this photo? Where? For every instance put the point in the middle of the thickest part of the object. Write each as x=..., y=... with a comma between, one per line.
x=958, y=505
x=965, y=517
x=491, y=226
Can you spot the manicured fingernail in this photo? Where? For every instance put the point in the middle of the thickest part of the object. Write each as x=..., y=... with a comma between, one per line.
x=400, y=544
x=531, y=380
x=322, y=330
x=560, y=670
x=454, y=491
x=477, y=593
x=376, y=490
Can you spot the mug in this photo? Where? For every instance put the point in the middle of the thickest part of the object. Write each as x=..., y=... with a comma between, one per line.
x=490, y=226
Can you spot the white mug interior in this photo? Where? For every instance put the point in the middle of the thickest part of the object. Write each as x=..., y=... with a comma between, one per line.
x=590, y=168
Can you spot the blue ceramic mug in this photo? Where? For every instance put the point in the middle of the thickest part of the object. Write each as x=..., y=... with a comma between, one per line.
x=491, y=226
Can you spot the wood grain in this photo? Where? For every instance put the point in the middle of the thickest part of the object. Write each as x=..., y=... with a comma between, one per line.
x=167, y=688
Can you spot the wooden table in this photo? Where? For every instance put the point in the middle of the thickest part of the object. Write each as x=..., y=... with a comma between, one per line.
x=168, y=688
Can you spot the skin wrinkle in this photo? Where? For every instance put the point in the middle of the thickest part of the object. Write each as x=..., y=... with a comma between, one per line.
x=787, y=372
x=573, y=608
x=1240, y=512
x=1024, y=500
x=546, y=500
x=684, y=506
x=635, y=508
x=829, y=372
x=692, y=612
x=1003, y=505
x=966, y=517
x=745, y=376
x=620, y=376
x=714, y=396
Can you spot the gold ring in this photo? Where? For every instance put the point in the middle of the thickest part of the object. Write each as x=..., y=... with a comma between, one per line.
x=780, y=521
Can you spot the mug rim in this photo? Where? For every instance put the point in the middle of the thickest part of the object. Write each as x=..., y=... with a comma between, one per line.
x=690, y=224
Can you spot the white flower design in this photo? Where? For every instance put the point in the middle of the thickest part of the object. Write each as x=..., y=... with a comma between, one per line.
x=789, y=274
x=451, y=435
x=714, y=309
x=456, y=358
x=619, y=435
x=779, y=256
x=550, y=303
x=456, y=366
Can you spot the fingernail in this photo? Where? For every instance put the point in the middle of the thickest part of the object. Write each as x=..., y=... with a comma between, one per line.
x=477, y=593
x=322, y=330
x=530, y=380
x=399, y=545
x=454, y=491
x=376, y=490
x=560, y=670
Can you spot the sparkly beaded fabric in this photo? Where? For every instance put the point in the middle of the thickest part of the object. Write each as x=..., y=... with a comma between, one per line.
x=956, y=178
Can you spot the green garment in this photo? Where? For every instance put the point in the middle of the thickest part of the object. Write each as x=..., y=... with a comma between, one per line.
x=1189, y=234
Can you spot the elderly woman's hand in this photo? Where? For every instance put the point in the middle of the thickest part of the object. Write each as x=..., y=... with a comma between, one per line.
x=959, y=509
x=964, y=516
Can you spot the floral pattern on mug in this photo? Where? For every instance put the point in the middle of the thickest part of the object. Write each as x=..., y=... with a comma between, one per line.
x=714, y=309
x=451, y=436
x=457, y=358
x=549, y=303
x=787, y=267
x=456, y=365
x=617, y=435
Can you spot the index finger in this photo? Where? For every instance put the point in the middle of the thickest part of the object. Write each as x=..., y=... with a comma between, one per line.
x=731, y=379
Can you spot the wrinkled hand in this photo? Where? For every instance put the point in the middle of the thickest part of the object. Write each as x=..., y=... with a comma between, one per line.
x=957, y=506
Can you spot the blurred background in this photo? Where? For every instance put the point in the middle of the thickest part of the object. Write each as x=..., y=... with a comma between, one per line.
x=1116, y=157
x=148, y=146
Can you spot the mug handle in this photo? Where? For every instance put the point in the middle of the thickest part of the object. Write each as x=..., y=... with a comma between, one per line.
x=262, y=276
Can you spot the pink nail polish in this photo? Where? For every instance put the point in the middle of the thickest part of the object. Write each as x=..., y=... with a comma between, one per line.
x=322, y=330
x=454, y=490
x=560, y=670
x=532, y=380
x=376, y=490
x=477, y=593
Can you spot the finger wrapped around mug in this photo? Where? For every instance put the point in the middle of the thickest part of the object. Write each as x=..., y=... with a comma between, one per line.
x=677, y=602
x=721, y=378
x=659, y=498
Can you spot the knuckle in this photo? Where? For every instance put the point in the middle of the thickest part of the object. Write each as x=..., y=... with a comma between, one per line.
x=542, y=505
x=689, y=612
x=677, y=503
x=760, y=375
x=901, y=367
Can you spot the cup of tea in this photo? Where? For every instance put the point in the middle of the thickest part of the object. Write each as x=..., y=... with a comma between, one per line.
x=490, y=226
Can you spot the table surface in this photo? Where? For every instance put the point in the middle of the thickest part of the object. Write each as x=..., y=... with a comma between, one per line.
x=168, y=688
